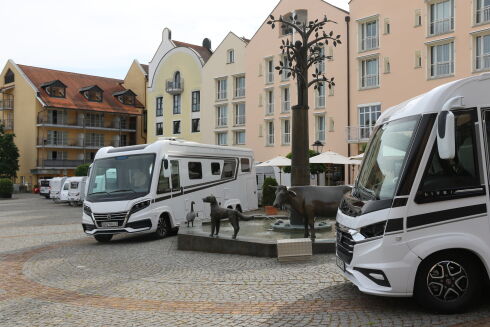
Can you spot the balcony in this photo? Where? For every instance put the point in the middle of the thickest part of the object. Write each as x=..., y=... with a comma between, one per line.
x=7, y=104
x=175, y=87
x=8, y=124
x=358, y=134
x=55, y=163
x=125, y=126
x=79, y=143
x=441, y=26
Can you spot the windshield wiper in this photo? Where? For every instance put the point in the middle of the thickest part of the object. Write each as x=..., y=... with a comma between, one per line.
x=117, y=191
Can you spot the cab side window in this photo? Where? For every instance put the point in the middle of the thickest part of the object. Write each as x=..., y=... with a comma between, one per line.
x=164, y=182
x=245, y=164
x=442, y=178
x=195, y=170
x=229, y=168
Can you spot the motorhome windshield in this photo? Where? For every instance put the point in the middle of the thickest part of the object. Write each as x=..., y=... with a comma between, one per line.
x=384, y=159
x=121, y=178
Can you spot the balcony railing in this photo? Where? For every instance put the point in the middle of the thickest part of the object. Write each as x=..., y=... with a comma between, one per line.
x=269, y=109
x=441, y=26
x=174, y=87
x=286, y=106
x=483, y=15
x=240, y=92
x=370, y=42
x=483, y=61
x=7, y=104
x=51, y=163
x=370, y=81
x=126, y=125
x=239, y=120
x=358, y=134
x=442, y=69
x=8, y=124
x=286, y=138
x=78, y=143
x=222, y=121
x=270, y=77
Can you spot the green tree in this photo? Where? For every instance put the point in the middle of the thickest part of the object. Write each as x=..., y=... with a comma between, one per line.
x=82, y=170
x=9, y=155
x=314, y=168
x=268, y=193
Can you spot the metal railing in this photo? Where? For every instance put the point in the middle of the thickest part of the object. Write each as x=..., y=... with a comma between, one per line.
x=483, y=15
x=240, y=92
x=483, y=61
x=370, y=42
x=442, y=68
x=61, y=163
x=441, y=26
x=7, y=104
x=320, y=101
x=270, y=109
x=174, y=87
x=8, y=124
x=358, y=134
x=239, y=120
x=86, y=124
x=286, y=106
x=78, y=143
x=270, y=77
x=222, y=121
x=370, y=80
x=286, y=138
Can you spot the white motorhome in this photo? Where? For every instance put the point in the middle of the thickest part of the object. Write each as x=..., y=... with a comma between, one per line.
x=417, y=220
x=55, y=185
x=150, y=188
x=64, y=191
x=44, y=188
x=76, y=190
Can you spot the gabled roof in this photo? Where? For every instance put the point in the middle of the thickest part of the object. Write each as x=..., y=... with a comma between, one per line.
x=123, y=92
x=74, y=83
x=203, y=52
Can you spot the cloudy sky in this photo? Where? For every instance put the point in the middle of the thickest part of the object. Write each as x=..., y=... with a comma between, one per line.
x=102, y=37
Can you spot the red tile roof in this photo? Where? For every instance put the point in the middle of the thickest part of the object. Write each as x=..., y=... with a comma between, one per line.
x=74, y=83
x=203, y=52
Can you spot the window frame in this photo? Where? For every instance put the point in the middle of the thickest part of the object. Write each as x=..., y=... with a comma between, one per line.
x=159, y=127
x=174, y=124
x=159, y=106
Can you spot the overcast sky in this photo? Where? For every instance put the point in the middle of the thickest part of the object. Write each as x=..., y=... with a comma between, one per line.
x=102, y=37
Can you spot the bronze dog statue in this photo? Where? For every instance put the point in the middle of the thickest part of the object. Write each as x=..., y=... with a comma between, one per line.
x=218, y=213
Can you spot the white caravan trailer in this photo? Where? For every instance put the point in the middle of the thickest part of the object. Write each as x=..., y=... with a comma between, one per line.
x=150, y=188
x=417, y=220
x=55, y=185
x=76, y=191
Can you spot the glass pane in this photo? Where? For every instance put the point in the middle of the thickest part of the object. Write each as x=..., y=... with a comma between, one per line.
x=460, y=172
x=195, y=170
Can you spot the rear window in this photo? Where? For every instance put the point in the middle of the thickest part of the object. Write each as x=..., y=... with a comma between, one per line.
x=44, y=183
x=74, y=185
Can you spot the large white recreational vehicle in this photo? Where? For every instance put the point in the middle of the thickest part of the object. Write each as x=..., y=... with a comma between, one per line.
x=417, y=220
x=150, y=188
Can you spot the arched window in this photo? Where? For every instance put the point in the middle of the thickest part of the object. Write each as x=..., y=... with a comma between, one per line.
x=177, y=80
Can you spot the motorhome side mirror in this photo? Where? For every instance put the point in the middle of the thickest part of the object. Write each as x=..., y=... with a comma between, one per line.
x=166, y=168
x=446, y=142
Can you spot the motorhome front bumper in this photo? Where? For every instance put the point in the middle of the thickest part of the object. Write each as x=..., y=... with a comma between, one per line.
x=136, y=227
x=376, y=266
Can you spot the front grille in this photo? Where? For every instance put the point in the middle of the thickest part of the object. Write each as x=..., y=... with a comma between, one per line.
x=345, y=245
x=140, y=224
x=118, y=217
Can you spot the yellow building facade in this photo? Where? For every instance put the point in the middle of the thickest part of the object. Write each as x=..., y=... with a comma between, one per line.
x=174, y=89
x=60, y=119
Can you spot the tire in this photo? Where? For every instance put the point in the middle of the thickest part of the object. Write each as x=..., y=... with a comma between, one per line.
x=164, y=228
x=448, y=282
x=103, y=238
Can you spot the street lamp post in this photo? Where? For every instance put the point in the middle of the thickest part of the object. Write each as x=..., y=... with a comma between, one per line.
x=318, y=146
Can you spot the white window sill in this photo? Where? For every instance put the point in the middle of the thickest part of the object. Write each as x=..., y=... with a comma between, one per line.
x=439, y=77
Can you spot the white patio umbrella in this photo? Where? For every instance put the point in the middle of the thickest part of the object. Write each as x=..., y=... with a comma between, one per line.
x=330, y=157
x=279, y=162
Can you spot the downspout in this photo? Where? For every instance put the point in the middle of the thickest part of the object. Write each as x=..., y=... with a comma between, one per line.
x=347, y=21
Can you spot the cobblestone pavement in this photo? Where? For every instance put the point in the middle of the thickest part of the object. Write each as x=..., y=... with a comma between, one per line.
x=51, y=274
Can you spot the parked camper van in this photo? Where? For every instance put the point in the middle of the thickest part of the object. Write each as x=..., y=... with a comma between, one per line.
x=44, y=188
x=64, y=191
x=150, y=188
x=76, y=191
x=55, y=185
x=417, y=221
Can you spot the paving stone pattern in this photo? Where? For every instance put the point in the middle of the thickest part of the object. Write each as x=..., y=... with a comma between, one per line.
x=51, y=274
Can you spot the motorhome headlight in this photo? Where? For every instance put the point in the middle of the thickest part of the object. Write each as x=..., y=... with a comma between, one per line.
x=373, y=230
x=87, y=210
x=139, y=206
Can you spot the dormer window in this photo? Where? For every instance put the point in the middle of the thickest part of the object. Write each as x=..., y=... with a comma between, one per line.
x=126, y=97
x=9, y=77
x=92, y=93
x=55, y=89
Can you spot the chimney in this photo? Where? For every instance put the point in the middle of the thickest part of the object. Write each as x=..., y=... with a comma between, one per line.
x=207, y=44
x=166, y=34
